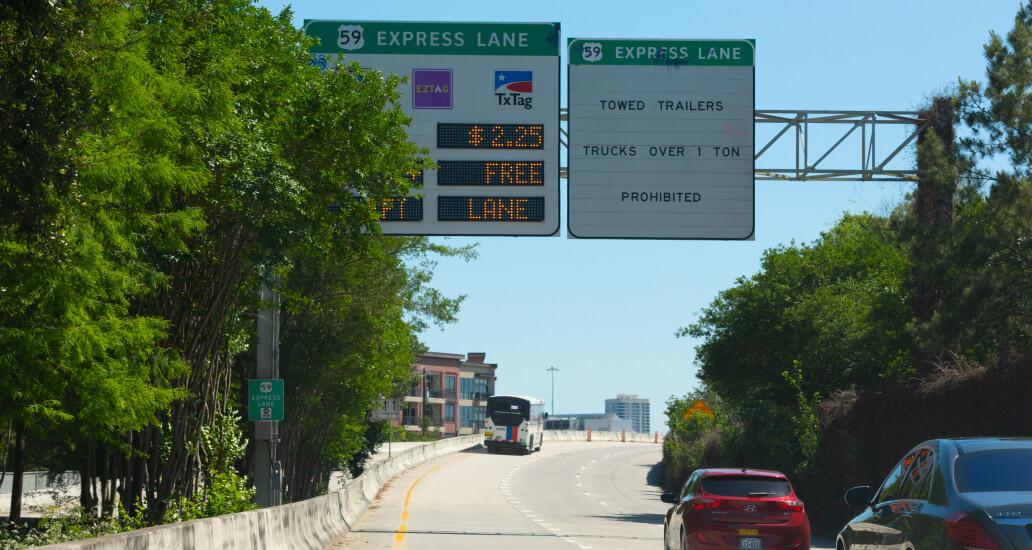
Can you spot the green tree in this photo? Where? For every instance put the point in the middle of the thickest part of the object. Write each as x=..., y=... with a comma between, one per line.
x=161, y=162
x=833, y=313
x=350, y=318
x=694, y=442
x=76, y=362
x=280, y=142
x=986, y=256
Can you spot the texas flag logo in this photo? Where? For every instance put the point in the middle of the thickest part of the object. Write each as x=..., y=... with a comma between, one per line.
x=511, y=86
x=515, y=81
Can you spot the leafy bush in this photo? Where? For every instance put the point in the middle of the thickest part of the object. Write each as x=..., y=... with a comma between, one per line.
x=54, y=530
x=227, y=494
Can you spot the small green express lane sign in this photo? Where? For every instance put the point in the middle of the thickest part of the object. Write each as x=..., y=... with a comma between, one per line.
x=265, y=399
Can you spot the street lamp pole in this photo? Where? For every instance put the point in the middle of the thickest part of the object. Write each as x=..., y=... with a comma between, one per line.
x=553, y=370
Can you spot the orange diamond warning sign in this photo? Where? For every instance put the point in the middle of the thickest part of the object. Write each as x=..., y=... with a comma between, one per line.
x=698, y=407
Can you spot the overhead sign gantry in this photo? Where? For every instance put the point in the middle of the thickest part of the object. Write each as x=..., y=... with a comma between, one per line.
x=661, y=139
x=484, y=99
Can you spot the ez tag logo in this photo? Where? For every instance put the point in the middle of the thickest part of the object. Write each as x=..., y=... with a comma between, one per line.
x=350, y=37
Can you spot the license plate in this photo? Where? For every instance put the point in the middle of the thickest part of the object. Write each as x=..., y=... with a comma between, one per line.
x=488, y=434
x=749, y=544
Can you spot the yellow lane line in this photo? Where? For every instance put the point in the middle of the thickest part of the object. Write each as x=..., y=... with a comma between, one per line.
x=399, y=536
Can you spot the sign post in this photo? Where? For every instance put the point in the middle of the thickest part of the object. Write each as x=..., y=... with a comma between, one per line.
x=387, y=409
x=484, y=99
x=661, y=139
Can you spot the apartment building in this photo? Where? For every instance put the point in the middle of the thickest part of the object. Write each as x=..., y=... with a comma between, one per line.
x=452, y=390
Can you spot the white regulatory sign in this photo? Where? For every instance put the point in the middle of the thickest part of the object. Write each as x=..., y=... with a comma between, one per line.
x=661, y=139
x=386, y=409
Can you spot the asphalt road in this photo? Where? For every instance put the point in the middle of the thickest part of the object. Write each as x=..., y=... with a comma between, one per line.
x=593, y=496
x=570, y=495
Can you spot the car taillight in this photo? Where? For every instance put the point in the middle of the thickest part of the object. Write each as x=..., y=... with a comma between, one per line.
x=791, y=505
x=701, y=503
x=968, y=533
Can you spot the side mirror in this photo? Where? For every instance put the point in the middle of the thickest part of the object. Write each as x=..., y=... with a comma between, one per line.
x=669, y=498
x=859, y=496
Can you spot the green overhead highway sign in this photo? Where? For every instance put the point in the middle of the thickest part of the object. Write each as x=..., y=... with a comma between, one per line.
x=484, y=100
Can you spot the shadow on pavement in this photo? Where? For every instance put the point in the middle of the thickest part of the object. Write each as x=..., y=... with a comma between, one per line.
x=655, y=475
x=655, y=519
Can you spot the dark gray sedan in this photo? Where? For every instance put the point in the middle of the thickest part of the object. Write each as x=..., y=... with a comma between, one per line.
x=954, y=494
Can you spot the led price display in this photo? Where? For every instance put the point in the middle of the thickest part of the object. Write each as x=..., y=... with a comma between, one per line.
x=490, y=136
x=491, y=209
x=415, y=177
x=400, y=209
x=491, y=172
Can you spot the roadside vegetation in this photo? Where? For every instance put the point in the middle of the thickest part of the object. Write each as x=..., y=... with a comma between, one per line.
x=160, y=163
x=881, y=314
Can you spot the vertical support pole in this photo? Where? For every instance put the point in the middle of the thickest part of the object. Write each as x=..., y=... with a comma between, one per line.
x=266, y=432
x=553, y=371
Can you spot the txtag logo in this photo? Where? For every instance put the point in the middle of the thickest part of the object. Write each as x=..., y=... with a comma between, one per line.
x=431, y=88
x=513, y=88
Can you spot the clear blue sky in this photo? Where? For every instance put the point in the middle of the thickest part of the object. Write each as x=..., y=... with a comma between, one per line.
x=604, y=312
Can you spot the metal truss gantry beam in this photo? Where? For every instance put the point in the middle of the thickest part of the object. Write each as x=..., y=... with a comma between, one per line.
x=861, y=126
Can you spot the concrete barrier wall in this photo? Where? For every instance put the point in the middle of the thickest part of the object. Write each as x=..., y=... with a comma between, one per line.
x=572, y=435
x=311, y=524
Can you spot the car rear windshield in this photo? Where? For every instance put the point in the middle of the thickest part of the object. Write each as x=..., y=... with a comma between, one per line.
x=746, y=486
x=1001, y=470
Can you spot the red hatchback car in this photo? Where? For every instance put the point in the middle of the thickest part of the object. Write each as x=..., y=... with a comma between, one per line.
x=736, y=509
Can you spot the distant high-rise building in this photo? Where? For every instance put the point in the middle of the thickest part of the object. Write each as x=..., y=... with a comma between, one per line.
x=629, y=407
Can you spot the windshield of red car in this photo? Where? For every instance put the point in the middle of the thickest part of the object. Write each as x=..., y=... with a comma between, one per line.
x=746, y=486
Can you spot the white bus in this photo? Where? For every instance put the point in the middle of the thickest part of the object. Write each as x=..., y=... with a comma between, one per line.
x=514, y=422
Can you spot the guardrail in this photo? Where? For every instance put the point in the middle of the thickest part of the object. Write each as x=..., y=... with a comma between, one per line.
x=38, y=481
x=591, y=435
